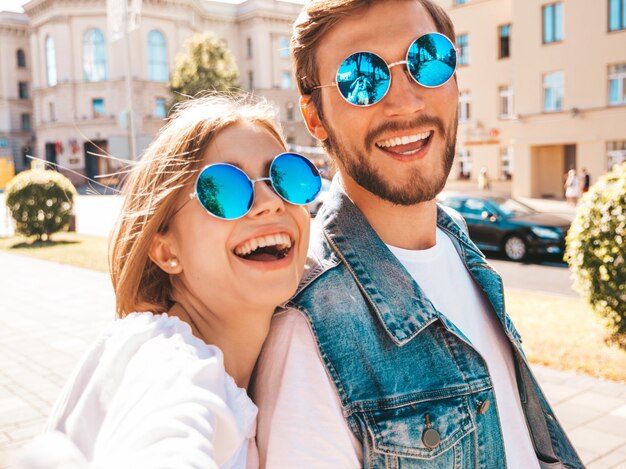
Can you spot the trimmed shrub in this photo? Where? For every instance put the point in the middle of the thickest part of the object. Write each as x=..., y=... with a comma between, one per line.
x=596, y=250
x=40, y=202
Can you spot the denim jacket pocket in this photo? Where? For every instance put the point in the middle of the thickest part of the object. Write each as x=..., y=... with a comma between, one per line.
x=402, y=431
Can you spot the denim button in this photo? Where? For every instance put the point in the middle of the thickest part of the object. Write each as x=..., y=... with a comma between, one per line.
x=483, y=407
x=431, y=438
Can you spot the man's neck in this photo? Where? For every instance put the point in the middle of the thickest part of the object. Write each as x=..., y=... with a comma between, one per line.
x=404, y=226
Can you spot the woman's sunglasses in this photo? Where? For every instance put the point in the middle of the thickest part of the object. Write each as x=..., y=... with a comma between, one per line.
x=226, y=192
x=364, y=78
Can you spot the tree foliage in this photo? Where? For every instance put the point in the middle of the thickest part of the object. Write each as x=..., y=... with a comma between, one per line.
x=596, y=250
x=207, y=65
x=40, y=202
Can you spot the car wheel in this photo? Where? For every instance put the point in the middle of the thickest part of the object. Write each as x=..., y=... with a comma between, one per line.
x=515, y=248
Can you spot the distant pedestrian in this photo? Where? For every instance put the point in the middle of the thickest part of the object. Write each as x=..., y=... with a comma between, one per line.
x=585, y=180
x=484, y=183
x=572, y=187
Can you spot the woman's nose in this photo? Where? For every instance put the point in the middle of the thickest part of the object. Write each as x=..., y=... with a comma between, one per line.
x=266, y=200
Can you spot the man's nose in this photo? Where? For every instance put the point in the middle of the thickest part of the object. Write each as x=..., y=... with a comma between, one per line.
x=405, y=96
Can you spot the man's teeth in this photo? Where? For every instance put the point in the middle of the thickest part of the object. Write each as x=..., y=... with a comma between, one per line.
x=282, y=240
x=392, y=142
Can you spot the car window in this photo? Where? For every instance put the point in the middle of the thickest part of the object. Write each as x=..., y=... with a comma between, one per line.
x=474, y=207
x=511, y=207
x=452, y=202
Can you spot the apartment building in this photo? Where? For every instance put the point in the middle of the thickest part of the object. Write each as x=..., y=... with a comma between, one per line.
x=77, y=70
x=16, y=121
x=542, y=89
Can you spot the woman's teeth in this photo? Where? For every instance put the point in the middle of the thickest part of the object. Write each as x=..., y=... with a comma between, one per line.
x=280, y=240
x=394, y=142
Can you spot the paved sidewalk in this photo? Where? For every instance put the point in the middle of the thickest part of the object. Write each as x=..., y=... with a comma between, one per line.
x=49, y=314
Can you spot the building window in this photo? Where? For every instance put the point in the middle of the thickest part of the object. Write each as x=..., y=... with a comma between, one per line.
x=51, y=62
x=464, y=106
x=21, y=59
x=22, y=90
x=290, y=112
x=250, y=80
x=94, y=55
x=285, y=80
x=52, y=111
x=97, y=106
x=617, y=84
x=249, y=47
x=160, y=109
x=283, y=47
x=158, y=69
x=616, y=153
x=462, y=44
x=505, y=94
x=553, y=91
x=617, y=15
x=552, y=23
x=506, y=163
x=26, y=123
x=504, y=32
x=465, y=163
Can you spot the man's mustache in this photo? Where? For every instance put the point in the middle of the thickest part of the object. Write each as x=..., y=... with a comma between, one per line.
x=393, y=126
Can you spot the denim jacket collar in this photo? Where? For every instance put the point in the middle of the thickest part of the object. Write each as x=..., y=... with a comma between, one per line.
x=399, y=302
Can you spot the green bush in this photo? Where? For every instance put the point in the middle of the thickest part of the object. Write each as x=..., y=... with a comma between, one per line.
x=596, y=251
x=40, y=202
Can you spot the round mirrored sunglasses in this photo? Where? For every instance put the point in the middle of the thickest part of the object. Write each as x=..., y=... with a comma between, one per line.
x=364, y=78
x=226, y=192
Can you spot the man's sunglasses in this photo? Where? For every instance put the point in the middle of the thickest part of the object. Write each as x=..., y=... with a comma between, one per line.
x=226, y=192
x=364, y=78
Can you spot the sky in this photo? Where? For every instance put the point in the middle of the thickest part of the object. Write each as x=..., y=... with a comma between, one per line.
x=16, y=5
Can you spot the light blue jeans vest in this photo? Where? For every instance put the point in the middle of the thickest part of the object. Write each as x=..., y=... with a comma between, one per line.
x=412, y=389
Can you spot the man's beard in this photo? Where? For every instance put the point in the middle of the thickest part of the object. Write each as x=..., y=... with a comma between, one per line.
x=417, y=187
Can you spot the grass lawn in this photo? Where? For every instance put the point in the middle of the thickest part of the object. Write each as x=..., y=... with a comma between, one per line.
x=89, y=252
x=564, y=333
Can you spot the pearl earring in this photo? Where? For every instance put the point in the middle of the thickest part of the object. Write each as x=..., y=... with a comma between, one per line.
x=173, y=263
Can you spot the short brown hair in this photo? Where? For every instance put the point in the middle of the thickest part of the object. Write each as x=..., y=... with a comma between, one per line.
x=156, y=186
x=319, y=16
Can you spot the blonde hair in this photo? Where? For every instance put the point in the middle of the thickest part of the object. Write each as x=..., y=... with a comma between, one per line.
x=319, y=16
x=154, y=188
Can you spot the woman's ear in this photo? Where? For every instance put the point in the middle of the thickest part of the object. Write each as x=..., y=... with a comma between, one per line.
x=312, y=118
x=163, y=253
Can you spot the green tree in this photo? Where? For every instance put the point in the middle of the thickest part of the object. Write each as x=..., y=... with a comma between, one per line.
x=595, y=250
x=40, y=202
x=207, y=65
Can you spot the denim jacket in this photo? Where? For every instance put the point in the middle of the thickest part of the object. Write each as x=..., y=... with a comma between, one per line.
x=399, y=366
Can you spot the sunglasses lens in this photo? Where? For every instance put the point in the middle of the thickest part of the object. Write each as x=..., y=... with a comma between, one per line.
x=225, y=191
x=295, y=178
x=432, y=60
x=363, y=78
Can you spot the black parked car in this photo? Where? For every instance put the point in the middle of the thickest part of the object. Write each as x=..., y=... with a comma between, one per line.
x=500, y=223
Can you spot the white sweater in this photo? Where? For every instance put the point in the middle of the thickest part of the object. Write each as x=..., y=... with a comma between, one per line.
x=148, y=394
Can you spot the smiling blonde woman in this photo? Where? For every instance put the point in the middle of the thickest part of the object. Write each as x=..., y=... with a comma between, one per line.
x=212, y=237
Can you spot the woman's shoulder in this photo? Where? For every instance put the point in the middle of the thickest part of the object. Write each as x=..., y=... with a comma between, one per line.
x=147, y=384
x=158, y=333
x=139, y=354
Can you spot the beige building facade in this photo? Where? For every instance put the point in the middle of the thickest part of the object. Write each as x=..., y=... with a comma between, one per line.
x=542, y=90
x=16, y=125
x=78, y=71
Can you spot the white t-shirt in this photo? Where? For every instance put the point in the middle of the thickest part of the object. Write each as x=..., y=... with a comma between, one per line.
x=148, y=394
x=300, y=419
